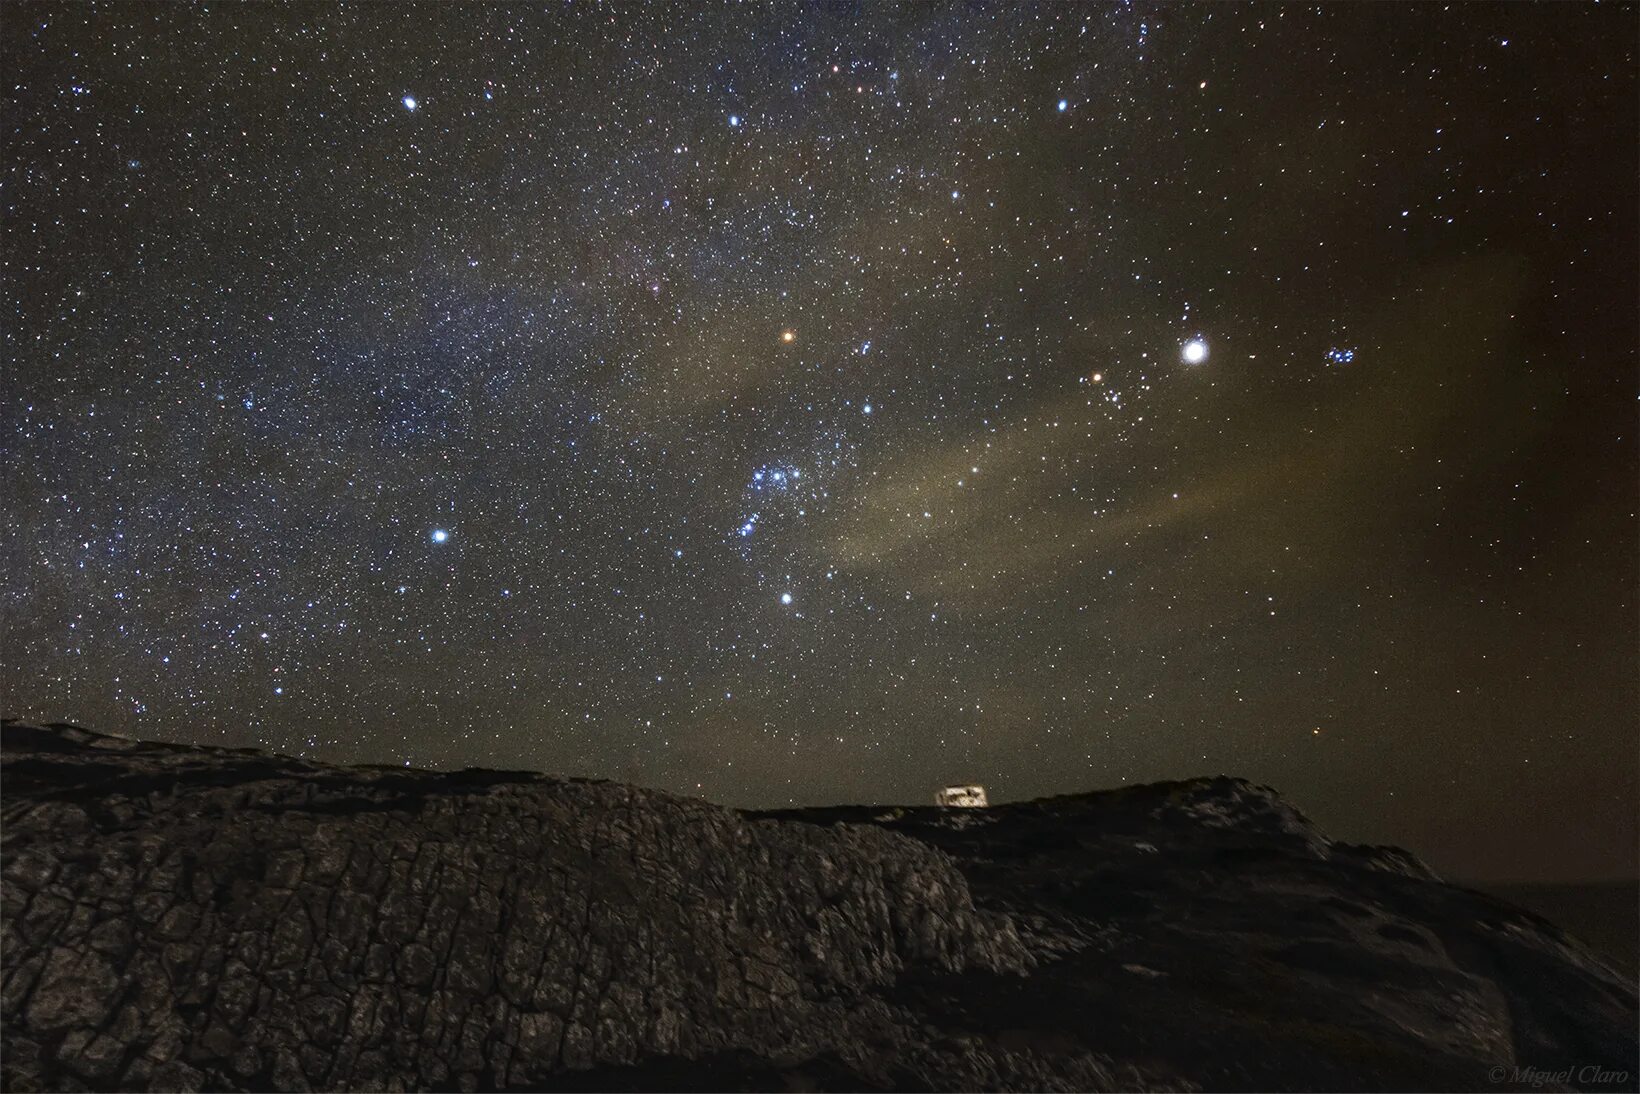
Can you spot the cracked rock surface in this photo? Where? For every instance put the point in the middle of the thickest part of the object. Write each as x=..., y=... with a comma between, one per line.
x=184, y=918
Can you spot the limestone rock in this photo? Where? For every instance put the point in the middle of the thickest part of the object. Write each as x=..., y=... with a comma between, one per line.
x=181, y=918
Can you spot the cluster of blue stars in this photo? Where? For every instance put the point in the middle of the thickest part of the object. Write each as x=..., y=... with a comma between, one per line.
x=775, y=477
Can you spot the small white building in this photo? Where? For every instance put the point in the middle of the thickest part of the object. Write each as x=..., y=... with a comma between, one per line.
x=961, y=797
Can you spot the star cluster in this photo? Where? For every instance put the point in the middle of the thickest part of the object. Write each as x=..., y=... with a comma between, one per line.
x=804, y=405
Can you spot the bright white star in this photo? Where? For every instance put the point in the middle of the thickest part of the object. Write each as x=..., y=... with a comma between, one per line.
x=440, y=535
x=785, y=598
x=409, y=103
x=1194, y=352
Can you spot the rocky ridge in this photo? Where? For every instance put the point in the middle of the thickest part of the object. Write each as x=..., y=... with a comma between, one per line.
x=181, y=918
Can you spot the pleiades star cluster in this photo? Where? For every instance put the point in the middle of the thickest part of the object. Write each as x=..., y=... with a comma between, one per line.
x=811, y=403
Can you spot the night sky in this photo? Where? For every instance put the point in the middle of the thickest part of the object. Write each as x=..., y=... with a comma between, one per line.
x=812, y=404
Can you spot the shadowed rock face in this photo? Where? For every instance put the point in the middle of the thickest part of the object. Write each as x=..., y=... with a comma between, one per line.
x=190, y=918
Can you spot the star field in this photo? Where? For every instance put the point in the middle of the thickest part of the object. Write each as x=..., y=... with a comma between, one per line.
x=812, y=405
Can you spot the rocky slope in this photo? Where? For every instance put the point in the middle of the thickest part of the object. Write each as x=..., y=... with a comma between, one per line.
x=187, y=918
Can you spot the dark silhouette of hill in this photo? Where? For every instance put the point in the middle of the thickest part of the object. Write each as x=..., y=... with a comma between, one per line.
x=186, y=918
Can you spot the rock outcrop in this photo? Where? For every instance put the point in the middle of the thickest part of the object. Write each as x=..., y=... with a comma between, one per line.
x=185, y=918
